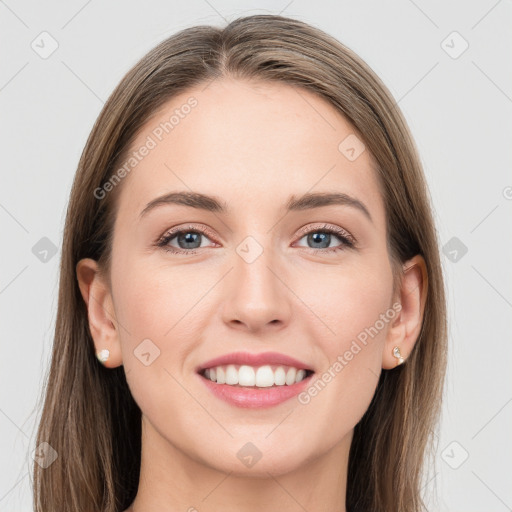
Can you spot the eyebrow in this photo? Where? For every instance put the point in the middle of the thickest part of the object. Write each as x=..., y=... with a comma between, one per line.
x=213, y=204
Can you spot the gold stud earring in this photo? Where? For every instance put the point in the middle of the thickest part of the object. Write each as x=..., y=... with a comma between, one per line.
x=103, y=355
x=398, y=355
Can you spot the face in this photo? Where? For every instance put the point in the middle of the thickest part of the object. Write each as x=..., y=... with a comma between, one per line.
x=313, y=282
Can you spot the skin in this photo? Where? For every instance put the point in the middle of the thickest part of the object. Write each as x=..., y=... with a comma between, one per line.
x=290, y=299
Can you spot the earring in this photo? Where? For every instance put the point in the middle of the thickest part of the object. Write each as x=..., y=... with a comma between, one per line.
x=398, y=355
x=103, y=355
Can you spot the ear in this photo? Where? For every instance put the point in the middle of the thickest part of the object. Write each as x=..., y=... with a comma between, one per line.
x=406, y=328
x=98, y=299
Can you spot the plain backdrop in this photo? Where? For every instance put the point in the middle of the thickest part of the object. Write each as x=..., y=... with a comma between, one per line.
x=449, y=66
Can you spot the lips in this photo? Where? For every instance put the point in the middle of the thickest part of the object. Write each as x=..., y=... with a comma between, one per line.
x=249, y=359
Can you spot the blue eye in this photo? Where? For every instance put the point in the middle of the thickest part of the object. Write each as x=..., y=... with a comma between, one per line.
x=189, y=239
x=323, y=238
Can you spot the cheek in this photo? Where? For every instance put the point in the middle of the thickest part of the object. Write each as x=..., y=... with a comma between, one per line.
x=159, y=312
x=154, y=302
x=155, y=308
x=351, y=302
x=356, y=314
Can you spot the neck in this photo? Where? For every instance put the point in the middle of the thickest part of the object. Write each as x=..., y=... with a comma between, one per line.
x=172, y=480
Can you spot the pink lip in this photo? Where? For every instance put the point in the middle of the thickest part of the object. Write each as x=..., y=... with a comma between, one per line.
x=254, y=360
x=255, y=398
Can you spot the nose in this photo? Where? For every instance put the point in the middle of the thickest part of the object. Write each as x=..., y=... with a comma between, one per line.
x=256, y=295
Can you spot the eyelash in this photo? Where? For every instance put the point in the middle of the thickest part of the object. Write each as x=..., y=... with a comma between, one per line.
x=347, y=239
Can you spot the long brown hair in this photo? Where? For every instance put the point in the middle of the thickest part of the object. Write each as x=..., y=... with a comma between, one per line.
x=89, y=416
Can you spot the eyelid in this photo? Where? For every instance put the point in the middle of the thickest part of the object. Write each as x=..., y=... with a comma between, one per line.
x=190, y=227
x=163, y=240
x=325, y=225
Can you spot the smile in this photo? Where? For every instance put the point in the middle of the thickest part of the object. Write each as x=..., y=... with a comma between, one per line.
x=261, y=377
x=248, y=387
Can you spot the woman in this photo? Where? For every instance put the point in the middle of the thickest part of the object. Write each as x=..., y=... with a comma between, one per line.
x=251, y=310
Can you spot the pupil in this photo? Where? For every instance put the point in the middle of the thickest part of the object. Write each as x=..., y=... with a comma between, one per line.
x=189, y=238
x=320, y=238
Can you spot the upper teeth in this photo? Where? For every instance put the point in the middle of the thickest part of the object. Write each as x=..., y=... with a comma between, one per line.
x=261, y=377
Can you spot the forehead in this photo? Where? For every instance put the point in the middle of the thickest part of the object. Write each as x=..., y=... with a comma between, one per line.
x=247, y=142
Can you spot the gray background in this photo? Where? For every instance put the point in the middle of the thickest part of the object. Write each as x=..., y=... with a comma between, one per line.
x=458, y=106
